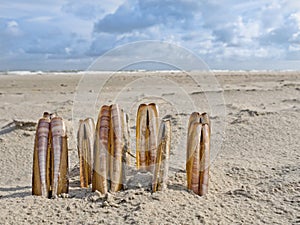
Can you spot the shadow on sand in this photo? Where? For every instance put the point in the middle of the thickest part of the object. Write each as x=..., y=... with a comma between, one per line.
x=16, y=194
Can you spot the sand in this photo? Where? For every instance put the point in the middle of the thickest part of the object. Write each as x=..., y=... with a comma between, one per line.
x=254, y=175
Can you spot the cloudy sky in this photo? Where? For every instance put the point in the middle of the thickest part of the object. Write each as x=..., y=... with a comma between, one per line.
x=227, y=34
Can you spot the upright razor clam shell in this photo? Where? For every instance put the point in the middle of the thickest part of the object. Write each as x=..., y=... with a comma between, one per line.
x=160, y=176
x=204, y=159
x=164, y=171
x=125, y=146
x=126, y=138
x=193, y=163
x=41, y=158
x=128, y=142
x=85, y=137
x=102, y=148
x=152, y=135
x=116, y=149
x=194, y=118
x=90, y=124
x=81, y=145
x=60, y=182
x=141, y=140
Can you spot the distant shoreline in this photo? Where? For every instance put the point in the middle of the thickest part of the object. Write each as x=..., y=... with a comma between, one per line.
x=80, y=72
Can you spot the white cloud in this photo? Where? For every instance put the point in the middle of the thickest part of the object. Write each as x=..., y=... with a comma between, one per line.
x=12, y=28
x=12, y=24
x=229, y=30
x=142, y=14
x=90, y=9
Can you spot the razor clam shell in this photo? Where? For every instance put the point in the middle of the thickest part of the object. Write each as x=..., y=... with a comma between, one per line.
x=193, y=163
x=91, y=140
x=116, y=149
x=125, y=146
x=85, y=137
x=63, y=185
x=163, y=179
x=194, y=118
x=102, y=148
x=82, y=145
x=141, y=140
x=41, y=159
x=204, y=159
x=126, y=138
x=160, y=176
x=59, y=157
x=152, y=135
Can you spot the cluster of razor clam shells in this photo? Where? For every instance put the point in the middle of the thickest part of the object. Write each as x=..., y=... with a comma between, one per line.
x=198, y=151
x=50, y=157
x=104, y=151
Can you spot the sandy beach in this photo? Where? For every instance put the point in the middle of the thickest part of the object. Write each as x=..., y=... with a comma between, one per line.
x=254, y=176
